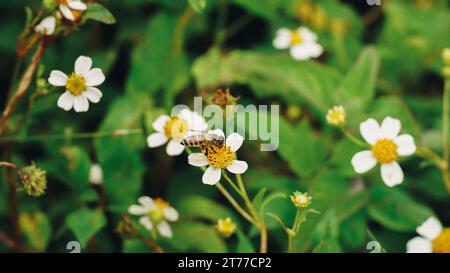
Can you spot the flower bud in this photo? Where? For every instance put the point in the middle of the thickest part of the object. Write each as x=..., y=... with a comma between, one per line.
x=34, y=180
x=301, y=200
x=336, y=116
x=226, y=227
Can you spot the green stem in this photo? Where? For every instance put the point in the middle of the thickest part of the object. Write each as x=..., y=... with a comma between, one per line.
x=234, y=203
x=227, y=178
x=352, y=138
x=445, y=134
x=68, y=136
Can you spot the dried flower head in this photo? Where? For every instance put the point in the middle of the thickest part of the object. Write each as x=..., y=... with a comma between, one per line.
x=34, y=180
x=126, y=227
x=224, y=98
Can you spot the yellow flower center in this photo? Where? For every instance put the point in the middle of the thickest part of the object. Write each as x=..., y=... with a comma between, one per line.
x=176, y=128
x=442, y=243
x=336, y=116
x=296, y=38
x=385, y=151
x=220, y=156
x=226, y=227
x=157, y=215
x=76, y=84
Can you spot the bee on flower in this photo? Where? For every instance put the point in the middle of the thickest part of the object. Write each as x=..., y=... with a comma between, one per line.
x=226, y=227
x=386, y=146
x=46, y=26
x=155, y=213
x=433, y=238
x=301, y=42
x=71, y=9
x=80, y=85
x=336, y=116
x=219, y=157
x=174, y=129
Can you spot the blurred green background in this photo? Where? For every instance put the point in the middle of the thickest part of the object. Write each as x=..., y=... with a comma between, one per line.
x=378, y=61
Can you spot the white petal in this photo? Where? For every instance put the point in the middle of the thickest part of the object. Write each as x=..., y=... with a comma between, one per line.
x=160, y=122
x=217, y=132
x=94, y=77
x=392, y=174
x=198, y=160
x=419, y=245
x=96, y=174
x=156, y=140
x=282, y=39
x=370, y=131
x=405, y=145
x=46, y=26
x=83, y=65
x=147, y=202
x=234, y=141
x=174, y=148
x=93, y=94
x=66, y=12
x=307, y=35
x=390, y=127
x=430, y=229
x=146, y=222
x=301, y=52
x=80, y=103
x=65, y=101
x=164, y=229
x=78, y=5
x=211, y=176
x=196, y=122
x=137, y=210
x=363, y=161
x=238, y=166
x=57, y=78
x=171, y=214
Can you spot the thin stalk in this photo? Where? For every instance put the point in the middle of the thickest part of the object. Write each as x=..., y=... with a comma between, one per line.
x=235, y=204
x=227, y=178
x=352, y=138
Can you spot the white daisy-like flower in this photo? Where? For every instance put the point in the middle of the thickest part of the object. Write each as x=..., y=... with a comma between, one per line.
x=155, y=213
x=302, y=43
x=46, y=26
x=433, y=239
x=174, y=129
x=96, y=174
x=386, y=147
x=80, y=85
x=71, y=9
x=219, y=157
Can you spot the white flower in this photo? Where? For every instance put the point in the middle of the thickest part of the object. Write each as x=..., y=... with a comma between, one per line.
x=96, y=174
x=153, y=213
x=80, y=85
x=302, y=43
x=174, y=129
x=70, y=8
x=219, y=158
x=386, y=147
x=46, y=26
x=433, y=238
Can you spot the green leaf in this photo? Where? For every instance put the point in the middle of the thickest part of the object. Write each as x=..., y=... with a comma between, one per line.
x=304, y=154
x=85, y=223
x=257, y=200
x=189, y=236
x=37, y=229
x=244, y=244
x=269, y=199
x=357, y=89
x=198, y=5
x=197, y=206
x=330, y=240
x=396, y=210
x=99, y=13
x=269, y=75
x=276, y=218
x=353, y=230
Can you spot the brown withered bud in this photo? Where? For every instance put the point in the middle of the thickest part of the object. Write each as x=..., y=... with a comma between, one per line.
x=224, y=98
x=126, y=227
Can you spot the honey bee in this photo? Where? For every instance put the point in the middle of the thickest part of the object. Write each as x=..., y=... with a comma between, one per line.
x=203, y=141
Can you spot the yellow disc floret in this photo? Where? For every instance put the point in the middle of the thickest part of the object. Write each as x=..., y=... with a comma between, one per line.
x=76, y=84
x=442, y=243
x=226, y=227
x=176, y=128
x=157, y=215
x=220, y=156
x=385, y=151
x=296, y=38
